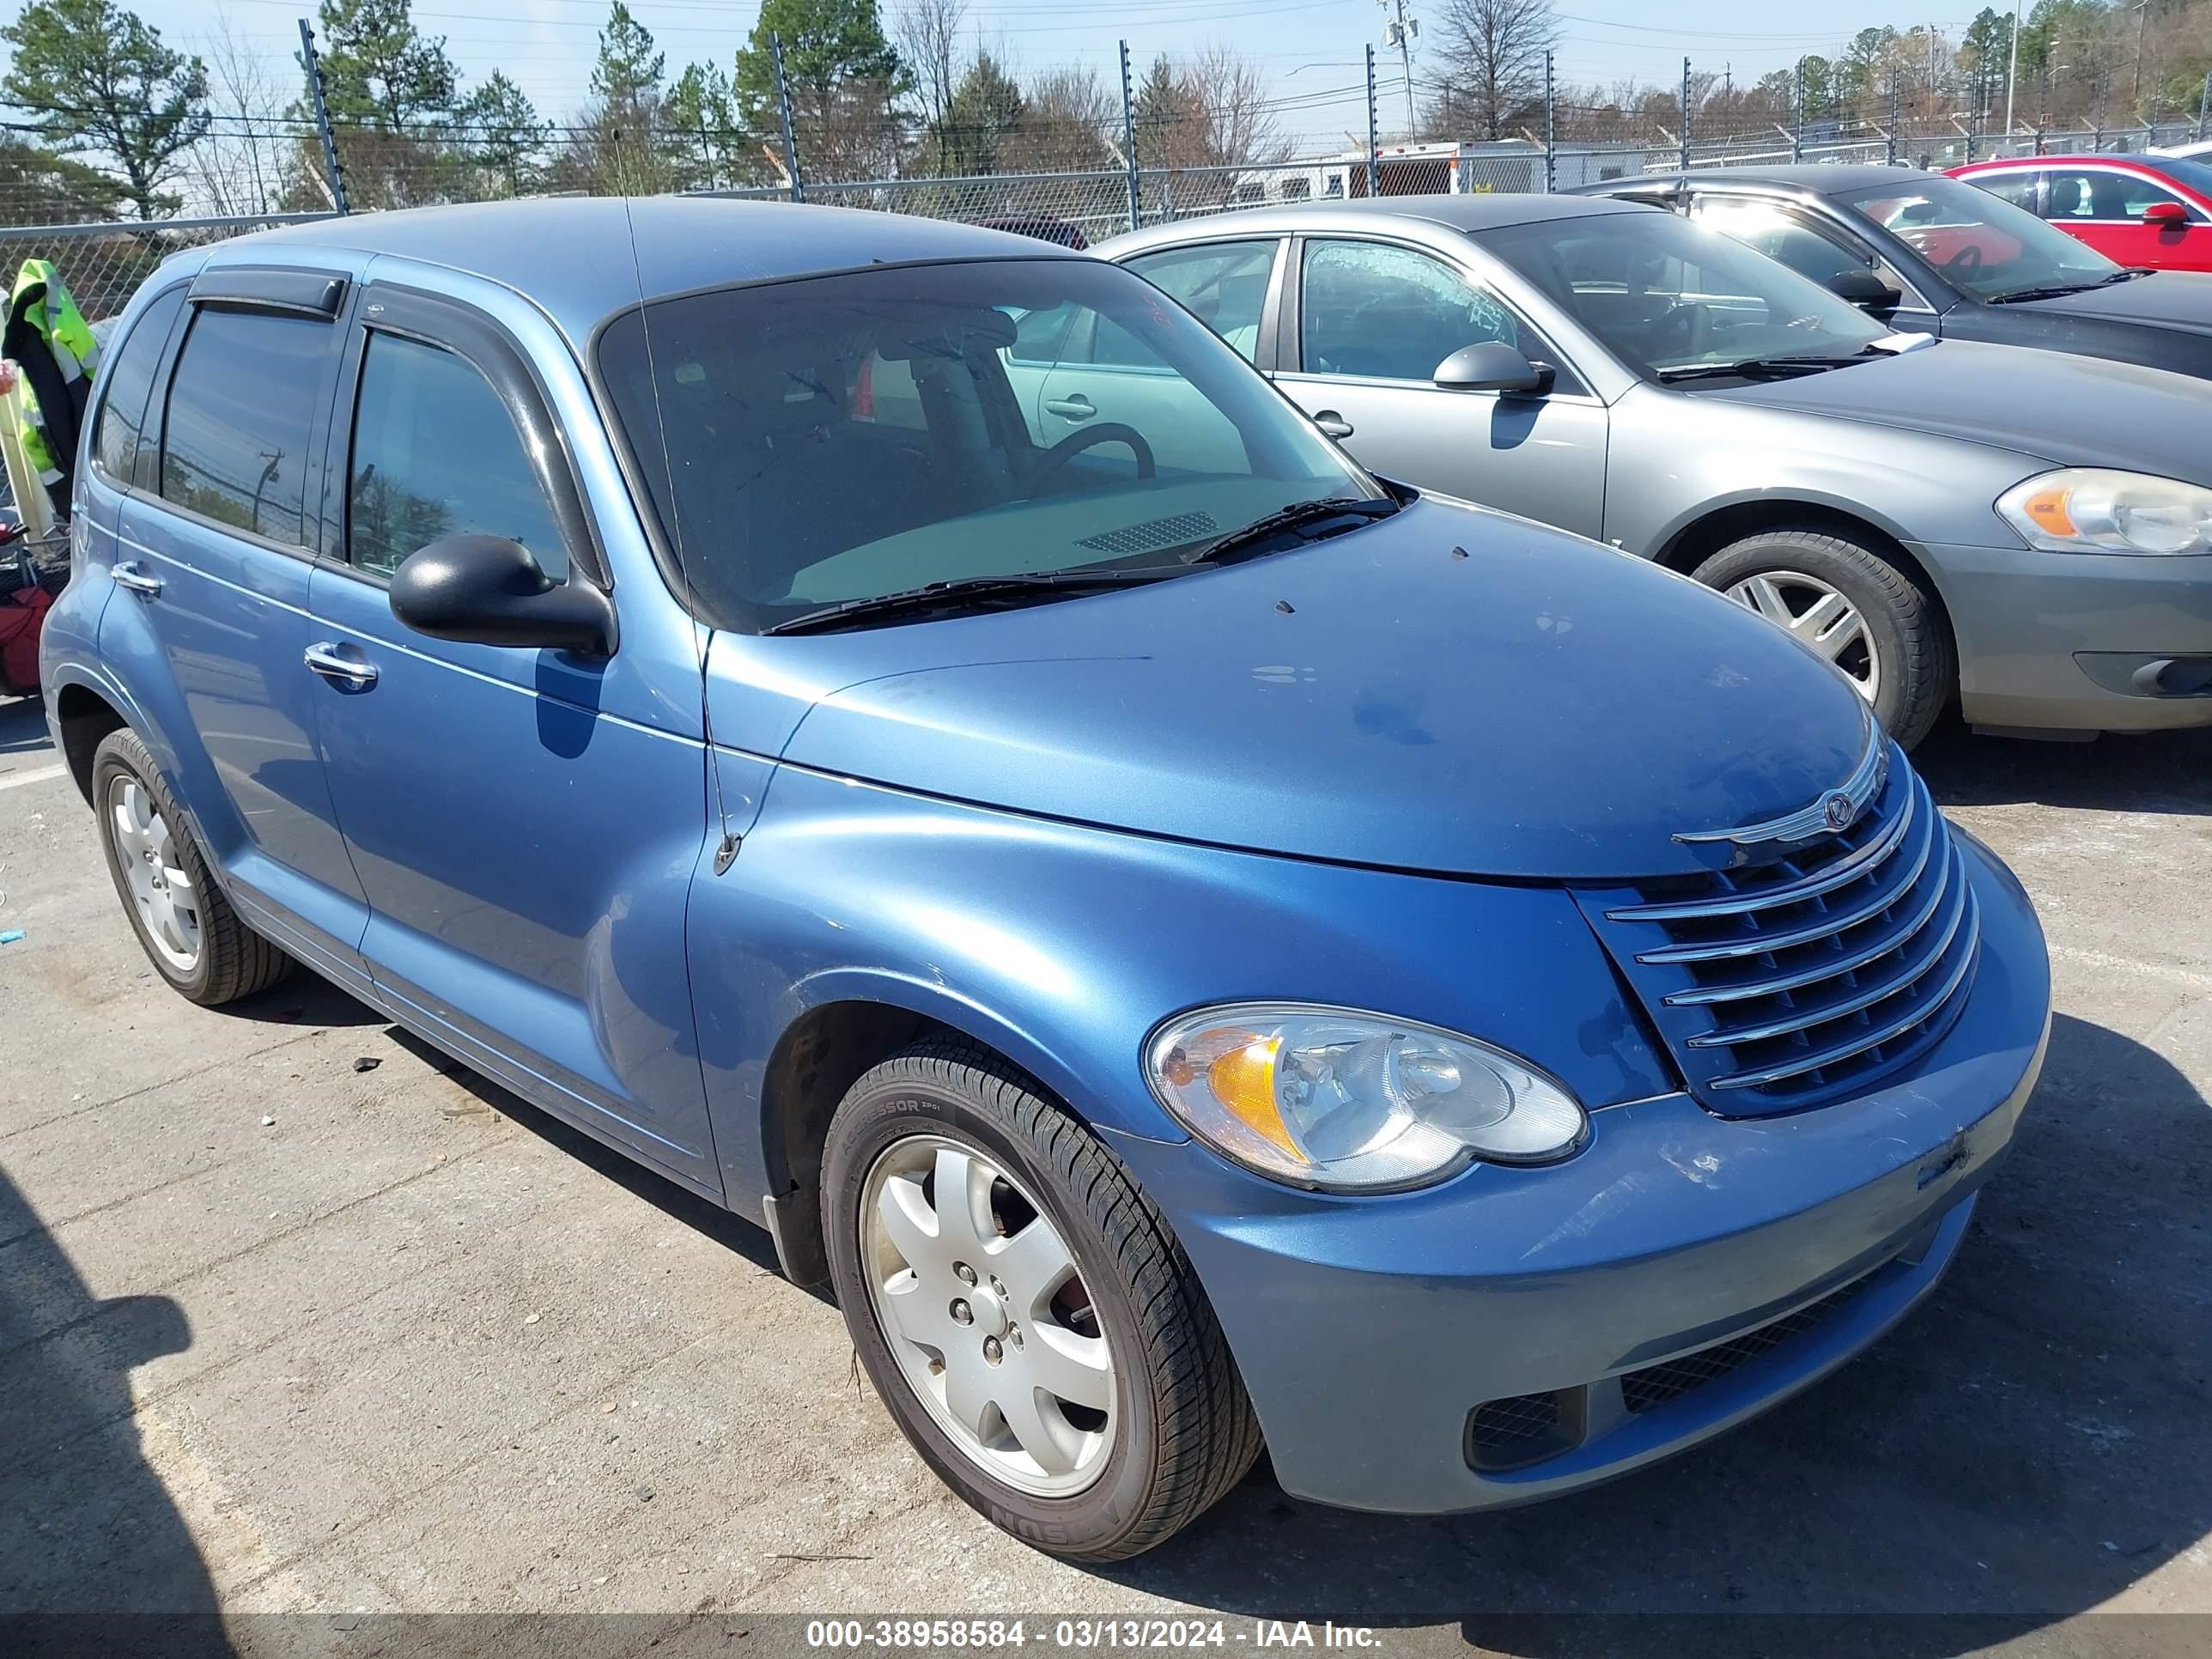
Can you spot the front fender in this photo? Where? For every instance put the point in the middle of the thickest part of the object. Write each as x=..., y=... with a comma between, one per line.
x=1062, y=945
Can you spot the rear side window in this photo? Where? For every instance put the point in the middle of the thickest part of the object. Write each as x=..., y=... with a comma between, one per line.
x=1224, y=288
x=241, y=405
x=436, y=454
x=130, y=378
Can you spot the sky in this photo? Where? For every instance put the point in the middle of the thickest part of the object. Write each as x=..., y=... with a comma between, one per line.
x=1311, y=50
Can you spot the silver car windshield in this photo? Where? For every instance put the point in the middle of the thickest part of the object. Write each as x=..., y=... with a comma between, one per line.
x=1982, y=244
x=1665, y=294
x=837, y=439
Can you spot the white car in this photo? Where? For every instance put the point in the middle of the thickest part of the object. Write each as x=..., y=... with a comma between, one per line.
x=2199, y=150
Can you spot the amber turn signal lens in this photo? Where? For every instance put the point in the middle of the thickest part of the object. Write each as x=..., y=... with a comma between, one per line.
x=1244, y=1080
x=2047, y=507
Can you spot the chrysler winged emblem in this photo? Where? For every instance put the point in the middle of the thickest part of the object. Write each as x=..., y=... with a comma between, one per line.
x=1835, y=811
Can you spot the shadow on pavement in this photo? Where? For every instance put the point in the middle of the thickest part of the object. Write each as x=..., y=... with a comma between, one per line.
x=22, y=727
x=89, y=1536
x=2025, y=1446
x=2158, y=772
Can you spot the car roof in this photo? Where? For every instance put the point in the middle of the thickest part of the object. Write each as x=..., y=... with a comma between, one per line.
x=1821, y=177
x=2072, y=159
x=1484, y=211
x=573, y=256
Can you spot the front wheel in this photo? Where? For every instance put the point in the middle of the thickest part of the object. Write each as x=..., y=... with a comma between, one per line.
x=1853, y=609
x=1025, y=1312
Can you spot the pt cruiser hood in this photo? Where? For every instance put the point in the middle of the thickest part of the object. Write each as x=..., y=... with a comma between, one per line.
x=2047, y=406
x=1540, y=707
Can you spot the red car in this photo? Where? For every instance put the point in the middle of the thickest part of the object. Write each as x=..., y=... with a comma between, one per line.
x=2154, y=210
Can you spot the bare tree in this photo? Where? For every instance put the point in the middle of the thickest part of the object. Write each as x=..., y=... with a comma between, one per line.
x=1493, y=56
x=243, y=164
x=927, y=35
x=1229, y=92
x=1067, y=115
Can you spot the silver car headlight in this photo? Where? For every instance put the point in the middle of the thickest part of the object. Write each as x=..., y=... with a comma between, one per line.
x=2099, y=509
x=1349, y=1101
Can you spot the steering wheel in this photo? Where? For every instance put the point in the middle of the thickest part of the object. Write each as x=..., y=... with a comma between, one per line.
x=1966, y=261
x=1691, y=322
x=1090, y=437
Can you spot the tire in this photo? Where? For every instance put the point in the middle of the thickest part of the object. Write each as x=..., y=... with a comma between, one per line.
x=1177, y=1431
x=226, y=959
x=1904, y=636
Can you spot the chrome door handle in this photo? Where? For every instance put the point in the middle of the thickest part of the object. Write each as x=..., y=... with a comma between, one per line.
x=1077, y=408
x=331, y=661
x=1332, y=423
x=135, y=579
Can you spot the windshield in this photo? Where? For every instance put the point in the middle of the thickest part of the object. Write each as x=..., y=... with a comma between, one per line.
x=839, y=438
x=1982, y=244
x=1666, y=295
x=2192, y=172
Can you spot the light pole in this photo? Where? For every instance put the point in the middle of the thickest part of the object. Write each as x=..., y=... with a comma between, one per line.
x=2012, y=70
x=1401, y=32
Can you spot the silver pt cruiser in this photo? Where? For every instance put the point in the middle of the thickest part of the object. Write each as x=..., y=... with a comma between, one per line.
x=2025, y=532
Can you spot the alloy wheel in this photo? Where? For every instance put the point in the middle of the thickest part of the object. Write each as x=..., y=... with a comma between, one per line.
x=981, y=1305
x=167, y=902
x=1819, y=617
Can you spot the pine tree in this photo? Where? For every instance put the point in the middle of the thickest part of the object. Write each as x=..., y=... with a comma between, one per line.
x=97, y=79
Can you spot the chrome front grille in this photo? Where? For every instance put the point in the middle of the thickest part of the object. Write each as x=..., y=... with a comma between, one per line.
x=1784, y=983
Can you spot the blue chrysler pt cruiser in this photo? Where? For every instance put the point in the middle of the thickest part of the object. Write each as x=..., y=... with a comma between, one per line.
x=1200, y=946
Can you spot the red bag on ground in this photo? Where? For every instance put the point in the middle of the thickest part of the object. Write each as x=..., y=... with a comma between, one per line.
x=22, y=615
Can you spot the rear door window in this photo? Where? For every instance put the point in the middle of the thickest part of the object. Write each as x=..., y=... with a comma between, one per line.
x=2018, y=185
x=1225, y=286
x=130, y=377
x=436, y=454
x=241, y=407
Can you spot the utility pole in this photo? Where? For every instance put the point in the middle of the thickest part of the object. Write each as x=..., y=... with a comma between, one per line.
x=2012, y=70
x=1402, y=31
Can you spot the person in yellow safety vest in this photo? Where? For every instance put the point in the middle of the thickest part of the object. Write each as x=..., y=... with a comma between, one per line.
x=48, y=337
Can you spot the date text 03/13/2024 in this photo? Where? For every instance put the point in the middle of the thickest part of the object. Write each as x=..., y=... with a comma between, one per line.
x=1083, y=1635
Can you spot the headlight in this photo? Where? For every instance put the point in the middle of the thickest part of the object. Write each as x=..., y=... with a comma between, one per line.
x=1348, y=1101
x=2086, y=508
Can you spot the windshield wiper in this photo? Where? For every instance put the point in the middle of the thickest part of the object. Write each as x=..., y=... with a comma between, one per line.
x=1297, y=516
x=2127, y=274
x=1768, y=369
x=2046, y=291
x=936, y=597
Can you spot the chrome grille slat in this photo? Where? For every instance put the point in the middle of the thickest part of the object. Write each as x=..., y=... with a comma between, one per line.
x=1844, y=870
x=1860, y=1041
x=1850, y=963
x=1809, y=968
x=1952, y=896
x=1760, y=944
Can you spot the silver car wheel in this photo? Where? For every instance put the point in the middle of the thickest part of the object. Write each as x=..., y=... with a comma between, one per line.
x=1818, y=618
x=979, y=1299
x=166, y=903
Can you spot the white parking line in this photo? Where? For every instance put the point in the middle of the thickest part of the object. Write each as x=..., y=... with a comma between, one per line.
x=38, y=775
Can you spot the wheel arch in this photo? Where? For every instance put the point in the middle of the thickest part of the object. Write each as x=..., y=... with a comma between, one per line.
x=84, y=714
x=854, y=1023
x=1690, y=544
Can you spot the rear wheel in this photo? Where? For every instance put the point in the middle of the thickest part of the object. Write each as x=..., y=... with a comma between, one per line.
x=1025, y=1312
x=187, y=928
x=1853, y=609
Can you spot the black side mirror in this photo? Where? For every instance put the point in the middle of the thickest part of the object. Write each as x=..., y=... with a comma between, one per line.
x=1491, y=365
x=1858, y=286
x=487, y=590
